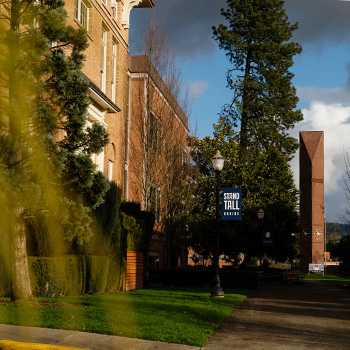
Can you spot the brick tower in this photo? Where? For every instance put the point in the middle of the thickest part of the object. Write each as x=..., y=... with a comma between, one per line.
x=311, y=198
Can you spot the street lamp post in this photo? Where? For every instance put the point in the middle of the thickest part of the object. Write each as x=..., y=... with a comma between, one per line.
x=218, y=164
x=261, y=217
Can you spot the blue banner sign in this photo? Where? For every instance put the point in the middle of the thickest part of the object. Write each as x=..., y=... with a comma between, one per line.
x=267, y=237
x=231, y=204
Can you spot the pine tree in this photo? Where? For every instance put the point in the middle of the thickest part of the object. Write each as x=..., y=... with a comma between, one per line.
x=257, y=44
x=43, y=94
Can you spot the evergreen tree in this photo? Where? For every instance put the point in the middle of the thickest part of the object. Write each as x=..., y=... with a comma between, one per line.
x=45, y=147
x=257, y=44
x=266, y=181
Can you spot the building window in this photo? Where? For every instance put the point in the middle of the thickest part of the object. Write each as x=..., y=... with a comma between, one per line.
x=103, y=59
x=114, y=70
x=155, y=134
x=81, y=12
x=115, y=9
x=184, y=157
x=110, y=170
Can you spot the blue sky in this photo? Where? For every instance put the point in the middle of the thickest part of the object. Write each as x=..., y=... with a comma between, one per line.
x=321, y=72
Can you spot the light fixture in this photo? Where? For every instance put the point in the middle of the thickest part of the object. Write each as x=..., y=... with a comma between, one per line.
x=218, y=161
x=260, y=214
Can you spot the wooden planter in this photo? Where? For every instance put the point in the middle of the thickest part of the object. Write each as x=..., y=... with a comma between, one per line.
x=133, y=278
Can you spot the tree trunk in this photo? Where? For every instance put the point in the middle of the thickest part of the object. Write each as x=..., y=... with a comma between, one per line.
x=20, y=279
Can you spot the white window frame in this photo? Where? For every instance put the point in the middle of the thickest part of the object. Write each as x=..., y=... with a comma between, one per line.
x=114, y=70
x=110, y=170
x=81, y=13
x=104, y=59
x=114, y=6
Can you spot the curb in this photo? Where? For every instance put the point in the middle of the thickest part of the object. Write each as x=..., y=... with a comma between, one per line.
x=13, y=345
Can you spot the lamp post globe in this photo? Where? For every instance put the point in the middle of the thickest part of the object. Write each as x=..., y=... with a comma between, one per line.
x=218, y=161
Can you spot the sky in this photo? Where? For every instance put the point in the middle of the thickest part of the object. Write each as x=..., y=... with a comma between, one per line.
x=322, y=73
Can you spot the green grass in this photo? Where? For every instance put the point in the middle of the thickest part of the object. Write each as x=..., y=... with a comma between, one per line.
x=333, y=279
x=175, y=315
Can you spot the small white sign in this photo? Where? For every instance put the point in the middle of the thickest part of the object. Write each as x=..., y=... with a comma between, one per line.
x=316, y=268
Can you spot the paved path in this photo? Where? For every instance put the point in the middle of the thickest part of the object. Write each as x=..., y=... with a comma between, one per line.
x=313, y=316
x=83, y=340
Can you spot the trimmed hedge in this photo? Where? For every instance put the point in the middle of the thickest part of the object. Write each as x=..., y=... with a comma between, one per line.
x=97, y=269
x=68, y=275
x=202, y=277
x=4, y=278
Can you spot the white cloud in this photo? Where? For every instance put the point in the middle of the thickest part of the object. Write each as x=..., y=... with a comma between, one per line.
x=334, y=120
x=197, y=88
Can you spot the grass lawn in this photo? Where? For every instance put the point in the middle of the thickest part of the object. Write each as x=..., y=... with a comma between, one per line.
x=333, y=279
x=174, y=315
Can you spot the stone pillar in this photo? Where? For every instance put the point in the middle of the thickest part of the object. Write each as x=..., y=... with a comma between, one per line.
x=311, y=179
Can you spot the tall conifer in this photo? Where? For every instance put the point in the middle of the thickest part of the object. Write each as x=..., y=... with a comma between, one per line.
x=43, y=94
x=256, y=38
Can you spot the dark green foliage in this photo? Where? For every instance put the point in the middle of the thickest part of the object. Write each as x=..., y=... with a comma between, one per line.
x=97, y=268
x=44, y=92
x=105, y=218
x=252, y=133
x=117, y=257
x=58, y=276
x=145, y=220
x=68, y=275
x=343, y=252
x=4, y=277
x=266, y=182
x=257, y=44
x=107, y=213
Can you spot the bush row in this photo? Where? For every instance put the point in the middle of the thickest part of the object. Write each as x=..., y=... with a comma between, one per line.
x=202, y=277
x=64, y=275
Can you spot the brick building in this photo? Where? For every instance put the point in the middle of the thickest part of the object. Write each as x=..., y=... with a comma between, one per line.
x=117, y=83
x=106, y=68
x=158, y=150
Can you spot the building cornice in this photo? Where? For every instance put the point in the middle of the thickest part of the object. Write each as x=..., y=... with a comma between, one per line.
x=97, y=95
x=129, y=5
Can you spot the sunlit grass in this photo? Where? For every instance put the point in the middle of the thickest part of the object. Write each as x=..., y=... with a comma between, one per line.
x=175, y=315
x=333, y=279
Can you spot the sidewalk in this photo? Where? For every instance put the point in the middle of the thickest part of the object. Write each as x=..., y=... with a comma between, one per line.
x=82, y=340
x=313, y=316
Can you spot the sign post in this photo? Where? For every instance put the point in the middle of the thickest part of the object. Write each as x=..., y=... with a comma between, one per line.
x=231, y=204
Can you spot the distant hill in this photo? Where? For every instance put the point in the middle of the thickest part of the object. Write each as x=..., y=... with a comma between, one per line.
x=334, y=228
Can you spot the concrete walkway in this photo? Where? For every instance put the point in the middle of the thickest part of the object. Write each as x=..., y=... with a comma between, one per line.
x=83, y=340
x=313, y=316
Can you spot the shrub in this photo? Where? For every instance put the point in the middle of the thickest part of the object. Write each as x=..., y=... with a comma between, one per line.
x=97, y=268
x=68, y=275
